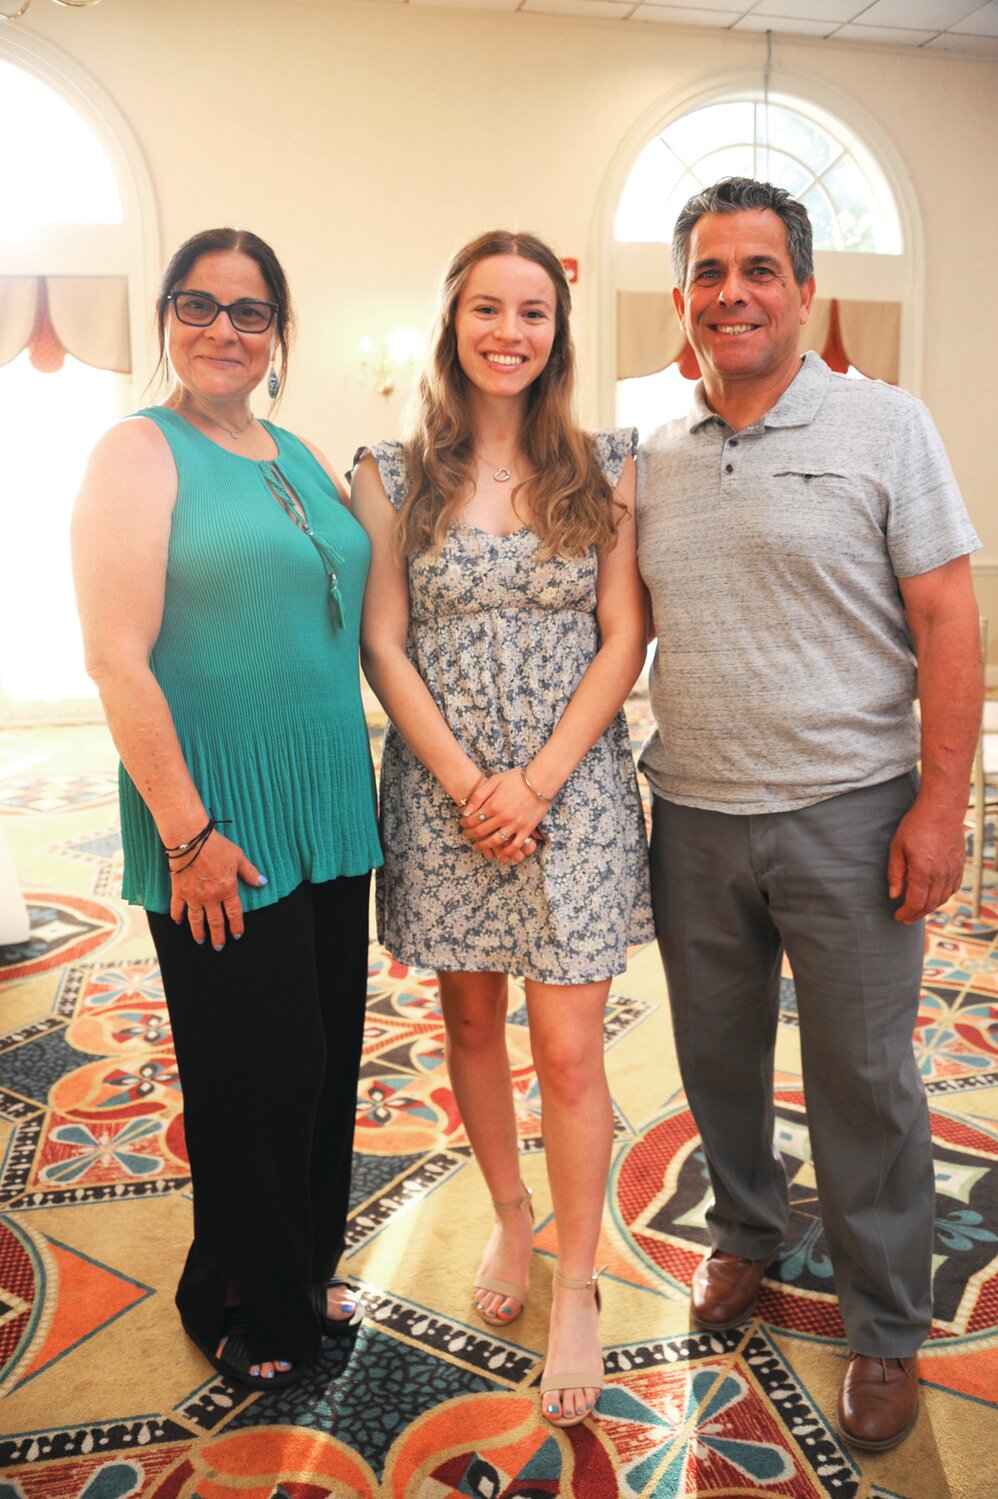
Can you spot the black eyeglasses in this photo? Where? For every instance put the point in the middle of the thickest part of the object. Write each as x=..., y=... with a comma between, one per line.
x=199, y=310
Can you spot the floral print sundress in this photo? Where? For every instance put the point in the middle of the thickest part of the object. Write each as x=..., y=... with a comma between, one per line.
x=502, y=639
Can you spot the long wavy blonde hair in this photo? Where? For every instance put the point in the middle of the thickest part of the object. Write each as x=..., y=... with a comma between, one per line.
x=570, y=498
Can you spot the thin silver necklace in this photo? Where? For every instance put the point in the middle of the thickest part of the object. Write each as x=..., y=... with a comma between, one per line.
x=220, y=425
x=501, y=475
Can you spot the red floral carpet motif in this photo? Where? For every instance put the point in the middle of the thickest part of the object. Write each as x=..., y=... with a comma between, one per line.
x=64, y=929
x=18, y=1282
x=428, y=1403
x=660, y=1182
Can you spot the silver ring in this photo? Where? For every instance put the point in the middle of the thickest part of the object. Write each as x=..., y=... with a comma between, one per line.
x=195, y=910
x=529, y=839
x=481, y=817
x=504, y=836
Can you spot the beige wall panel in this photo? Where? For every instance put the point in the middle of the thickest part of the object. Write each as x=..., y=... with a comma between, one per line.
x=368, y=141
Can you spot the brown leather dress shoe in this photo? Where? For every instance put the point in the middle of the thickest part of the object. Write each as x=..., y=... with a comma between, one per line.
x=725, y=1289
x=878, y=1402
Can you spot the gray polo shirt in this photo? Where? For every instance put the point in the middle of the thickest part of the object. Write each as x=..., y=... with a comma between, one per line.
x=784, y=672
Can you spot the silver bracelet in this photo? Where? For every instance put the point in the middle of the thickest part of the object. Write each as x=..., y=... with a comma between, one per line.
x=529, y=783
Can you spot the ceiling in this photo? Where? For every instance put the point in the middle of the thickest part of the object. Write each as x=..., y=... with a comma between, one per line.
x=968, y=27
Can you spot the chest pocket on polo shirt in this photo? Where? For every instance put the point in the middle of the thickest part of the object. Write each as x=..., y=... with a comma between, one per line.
x=819, y=509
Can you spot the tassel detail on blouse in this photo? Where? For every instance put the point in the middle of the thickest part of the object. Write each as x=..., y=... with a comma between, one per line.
x=294, y=509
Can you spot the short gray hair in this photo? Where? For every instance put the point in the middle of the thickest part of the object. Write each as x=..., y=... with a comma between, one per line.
x=734, y=195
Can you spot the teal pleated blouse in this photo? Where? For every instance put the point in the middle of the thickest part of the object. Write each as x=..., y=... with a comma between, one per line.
x=257, y=656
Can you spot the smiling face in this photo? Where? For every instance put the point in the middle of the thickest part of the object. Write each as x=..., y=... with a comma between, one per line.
x=741, y=307
x=218, y=364
x=505, y=324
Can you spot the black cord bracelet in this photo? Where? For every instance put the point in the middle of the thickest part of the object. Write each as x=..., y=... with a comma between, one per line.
x=194, y=845
x=179, y=849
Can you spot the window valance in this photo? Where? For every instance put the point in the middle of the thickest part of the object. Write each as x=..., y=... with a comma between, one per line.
x=52, y=316
x=863, y=334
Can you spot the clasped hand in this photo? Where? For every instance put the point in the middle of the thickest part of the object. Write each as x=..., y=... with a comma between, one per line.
x=502, y=817
x=208, y=889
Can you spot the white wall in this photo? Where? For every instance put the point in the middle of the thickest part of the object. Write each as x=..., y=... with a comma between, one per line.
x=368, y=141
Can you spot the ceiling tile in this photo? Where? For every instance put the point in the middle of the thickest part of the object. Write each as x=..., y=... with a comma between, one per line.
x=963, y=45
x=613, y=10
x=786, y=25
x=471, y=4
x=983, y=22
x=887, y=36
x=928, y=15
x=730, y=7
x=684, y=15
x=811, y=10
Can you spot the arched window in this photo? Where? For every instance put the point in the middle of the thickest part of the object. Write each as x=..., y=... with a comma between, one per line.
x=74, y=289
x=58, y=172
x=835, y=164
x=781, y=140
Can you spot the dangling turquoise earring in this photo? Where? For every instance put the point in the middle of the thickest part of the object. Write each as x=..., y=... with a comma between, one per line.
x=273, y=383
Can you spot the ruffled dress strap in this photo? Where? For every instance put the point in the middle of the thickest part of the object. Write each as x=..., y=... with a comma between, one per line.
x=390, y=458
x=614, y=445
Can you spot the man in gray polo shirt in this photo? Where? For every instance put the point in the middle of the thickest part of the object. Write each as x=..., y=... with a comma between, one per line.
x=806, y=550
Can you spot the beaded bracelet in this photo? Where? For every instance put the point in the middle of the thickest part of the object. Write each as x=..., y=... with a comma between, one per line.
x=529, y=783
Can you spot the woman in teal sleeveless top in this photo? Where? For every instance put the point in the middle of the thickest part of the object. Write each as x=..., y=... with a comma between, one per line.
x=220, y=575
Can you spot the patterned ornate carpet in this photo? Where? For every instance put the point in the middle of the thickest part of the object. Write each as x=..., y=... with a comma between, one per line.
x=102, y=1397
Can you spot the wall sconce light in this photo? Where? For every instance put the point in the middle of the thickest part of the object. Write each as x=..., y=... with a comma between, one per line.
x=391, y=360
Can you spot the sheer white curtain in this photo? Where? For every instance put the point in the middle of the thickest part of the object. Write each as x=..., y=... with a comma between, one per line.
x=47, y=425
x=65, y=351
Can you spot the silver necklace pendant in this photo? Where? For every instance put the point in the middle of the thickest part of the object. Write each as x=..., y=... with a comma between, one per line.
x=502, y=476
x=179, y=408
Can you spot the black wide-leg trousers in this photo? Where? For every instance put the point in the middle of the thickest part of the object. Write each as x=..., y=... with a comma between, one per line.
x=268, y=1036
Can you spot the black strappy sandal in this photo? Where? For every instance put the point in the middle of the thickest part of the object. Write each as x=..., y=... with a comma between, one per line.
x=336, y=1327
x=234, y=1362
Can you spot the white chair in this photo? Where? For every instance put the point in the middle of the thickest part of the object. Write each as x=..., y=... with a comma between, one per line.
x=984, y=789
x=14, y=923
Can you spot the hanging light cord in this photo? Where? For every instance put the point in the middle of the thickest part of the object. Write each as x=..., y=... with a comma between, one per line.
x=767, y=69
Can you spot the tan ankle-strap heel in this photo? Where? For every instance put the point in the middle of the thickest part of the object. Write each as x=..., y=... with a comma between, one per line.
x=505, y=1288
x=579, y=1285
x=508, y=1207
x=574, y=1379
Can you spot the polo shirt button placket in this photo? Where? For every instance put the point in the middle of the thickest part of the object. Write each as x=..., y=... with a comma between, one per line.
x=727, y=467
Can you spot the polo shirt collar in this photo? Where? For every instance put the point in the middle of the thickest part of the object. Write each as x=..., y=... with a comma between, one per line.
x=796, y=407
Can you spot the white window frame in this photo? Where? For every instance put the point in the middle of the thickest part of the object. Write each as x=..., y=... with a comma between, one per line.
x=131, y=248
x=844, y=274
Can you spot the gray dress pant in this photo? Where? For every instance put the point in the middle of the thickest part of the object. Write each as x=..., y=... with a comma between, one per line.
x=731, y=893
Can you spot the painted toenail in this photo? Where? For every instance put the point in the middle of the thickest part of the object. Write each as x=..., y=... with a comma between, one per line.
x=552, y=1410
x=269, y=1374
